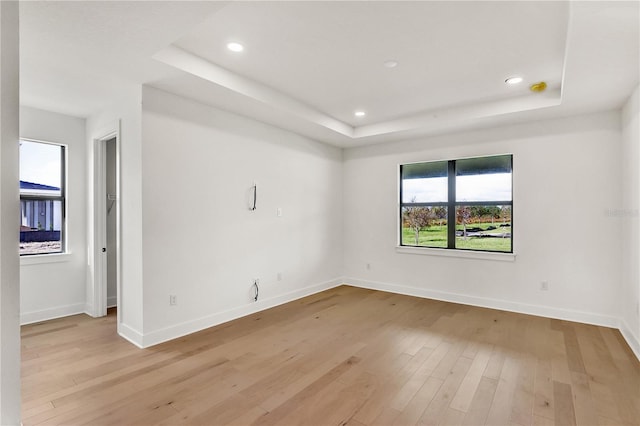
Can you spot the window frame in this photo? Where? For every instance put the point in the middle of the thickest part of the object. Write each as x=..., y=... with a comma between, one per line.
x=451, y=204
x=62, y=198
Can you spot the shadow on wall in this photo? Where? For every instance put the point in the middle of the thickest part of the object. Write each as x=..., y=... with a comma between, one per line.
x=165, y=103
x=512, y=132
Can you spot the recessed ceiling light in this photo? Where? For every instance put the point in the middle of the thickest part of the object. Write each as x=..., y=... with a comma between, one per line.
x=235, y=47
x=513, y=80
x=359, y=113
x=390, y=64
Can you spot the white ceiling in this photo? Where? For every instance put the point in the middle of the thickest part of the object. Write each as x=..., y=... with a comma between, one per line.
x=77, y=56
x=307, y=66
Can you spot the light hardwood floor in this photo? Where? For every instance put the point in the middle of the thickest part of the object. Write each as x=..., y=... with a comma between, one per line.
x=344, y=356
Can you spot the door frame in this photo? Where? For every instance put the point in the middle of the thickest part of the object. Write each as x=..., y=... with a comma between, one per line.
x=98, y=298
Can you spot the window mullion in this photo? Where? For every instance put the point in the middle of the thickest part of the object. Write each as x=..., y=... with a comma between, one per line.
x=451, y=205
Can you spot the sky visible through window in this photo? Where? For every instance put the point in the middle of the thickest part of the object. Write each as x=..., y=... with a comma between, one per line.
x=481, y=187
x=40, y=163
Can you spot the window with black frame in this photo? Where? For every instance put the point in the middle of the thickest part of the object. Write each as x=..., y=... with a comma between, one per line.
x=463, y=204
x=42, y=198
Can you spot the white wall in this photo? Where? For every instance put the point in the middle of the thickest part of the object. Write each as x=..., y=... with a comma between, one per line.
x=125, y=114
x=9, y=217
x=54, y=285
x=201, y=242
x=629, y=215
x=566, y=178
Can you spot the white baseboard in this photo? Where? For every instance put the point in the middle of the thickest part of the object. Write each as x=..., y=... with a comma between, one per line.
x=544, y=311
x=51, y=313
x=632, y=339
x=130, y=334
x=155, y=337
x=112, y=301
x=188, y=327
x=485, y=302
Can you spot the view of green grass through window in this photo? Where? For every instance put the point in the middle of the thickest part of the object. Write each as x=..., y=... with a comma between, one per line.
x=41, y=198
x=458, y=204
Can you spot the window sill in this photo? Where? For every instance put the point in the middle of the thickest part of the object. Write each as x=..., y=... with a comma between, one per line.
x=468, y=254
x=37, y=259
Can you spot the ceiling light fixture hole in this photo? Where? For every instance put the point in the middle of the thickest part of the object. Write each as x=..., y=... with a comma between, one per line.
x=538, y=87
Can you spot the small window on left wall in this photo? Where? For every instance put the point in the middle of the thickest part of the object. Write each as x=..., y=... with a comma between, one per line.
x=42, y=198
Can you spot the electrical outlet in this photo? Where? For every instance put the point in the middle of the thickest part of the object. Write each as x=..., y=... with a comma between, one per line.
x=173, y=299
x=544, y=286
x=279, y=212
x=279, y=276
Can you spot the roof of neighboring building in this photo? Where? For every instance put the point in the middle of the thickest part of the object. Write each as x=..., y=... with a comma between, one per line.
x=31, y=185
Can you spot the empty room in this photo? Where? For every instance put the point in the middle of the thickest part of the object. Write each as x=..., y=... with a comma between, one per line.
x=320, y=213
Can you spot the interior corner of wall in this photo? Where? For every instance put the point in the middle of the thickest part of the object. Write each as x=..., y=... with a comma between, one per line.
x=632, y=339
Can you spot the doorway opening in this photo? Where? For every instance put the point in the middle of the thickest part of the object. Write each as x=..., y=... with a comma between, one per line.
x=106, y=253
x=111, y=223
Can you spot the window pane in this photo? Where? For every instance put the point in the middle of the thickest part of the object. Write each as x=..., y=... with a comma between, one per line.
x=424, y=182
x=484, y=179
x=480, y=197
x=483, y=228
x=424, y=226
x=40, y=226
x=41, y=198
x=40, y=165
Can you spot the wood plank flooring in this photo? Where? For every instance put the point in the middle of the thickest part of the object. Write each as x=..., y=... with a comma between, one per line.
x=346, y=356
